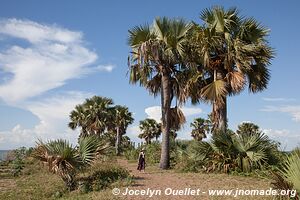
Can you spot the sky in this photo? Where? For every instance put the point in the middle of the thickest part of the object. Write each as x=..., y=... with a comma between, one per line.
x=54, y=54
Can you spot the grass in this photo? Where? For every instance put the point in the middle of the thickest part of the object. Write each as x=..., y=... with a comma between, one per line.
x=36, y=183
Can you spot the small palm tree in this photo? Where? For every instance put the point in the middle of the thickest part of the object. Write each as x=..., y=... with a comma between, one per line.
x=248, y=128
x=121, y=119
x=156, y=63
x=200, y=128
x=231, y=52
x=150, y=129
x=65, y=160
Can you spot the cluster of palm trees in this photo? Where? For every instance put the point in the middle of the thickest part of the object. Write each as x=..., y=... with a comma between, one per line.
x=202, y=62
x=99, y=116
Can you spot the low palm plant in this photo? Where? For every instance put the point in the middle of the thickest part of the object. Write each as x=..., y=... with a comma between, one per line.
x=243, y=152
x=65, y=160
x=288, y=177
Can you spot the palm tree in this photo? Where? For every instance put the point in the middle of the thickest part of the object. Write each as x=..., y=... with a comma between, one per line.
x=200, y=128
x=121, y=118
x=93, y=116
x=248, y=128
x=150, y=129
x=231, y=51
x=98, y=113
x=156, y=62
x=65, y=160
x=78, y=118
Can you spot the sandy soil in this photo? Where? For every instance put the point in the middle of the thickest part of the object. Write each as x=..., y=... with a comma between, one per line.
x=156, y=179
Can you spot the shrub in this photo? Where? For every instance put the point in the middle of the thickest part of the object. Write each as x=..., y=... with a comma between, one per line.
x=186, y=156
x=18, y=161
x=102, y=175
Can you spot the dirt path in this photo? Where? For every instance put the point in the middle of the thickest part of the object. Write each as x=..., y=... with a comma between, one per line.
x=156, y=179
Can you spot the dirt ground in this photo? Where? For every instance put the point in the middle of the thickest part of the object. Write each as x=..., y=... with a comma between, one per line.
x=156, y=179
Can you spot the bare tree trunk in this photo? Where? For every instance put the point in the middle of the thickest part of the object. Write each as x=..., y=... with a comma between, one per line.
x=166, y=104
x=118, y=141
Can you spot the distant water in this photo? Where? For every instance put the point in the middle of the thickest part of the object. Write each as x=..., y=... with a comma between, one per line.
x=3, y=154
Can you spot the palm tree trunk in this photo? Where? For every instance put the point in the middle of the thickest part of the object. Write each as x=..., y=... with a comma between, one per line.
x=223, y=117
x=166, y=104
x=118, y=141
x=220, y=109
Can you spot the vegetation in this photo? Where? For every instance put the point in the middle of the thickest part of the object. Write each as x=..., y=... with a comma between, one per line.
x=201, y=127
x=150, y=129
x=36, y=182
x=98, y=116
x=288, y=177
x=230, y=51
x=65, y=160
x=156, y=63
x=179, y=61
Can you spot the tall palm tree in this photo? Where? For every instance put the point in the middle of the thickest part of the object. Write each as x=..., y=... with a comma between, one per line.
x=156, y=61
x=121, y=118
x=150, y=129
x=231, y=52
x=200, y=128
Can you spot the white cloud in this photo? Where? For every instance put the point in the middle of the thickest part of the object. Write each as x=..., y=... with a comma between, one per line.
x=278, y=99
x=53, y=114
x=154, y=112
x=294, y=111
x=52, y=56
x=106, y=68
x=289, y=140
x=37, y=33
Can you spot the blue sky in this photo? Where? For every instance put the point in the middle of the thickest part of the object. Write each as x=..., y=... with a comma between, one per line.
x=54, y=54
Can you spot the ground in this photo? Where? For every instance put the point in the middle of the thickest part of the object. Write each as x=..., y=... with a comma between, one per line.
x=155, y=178
x=38, y=183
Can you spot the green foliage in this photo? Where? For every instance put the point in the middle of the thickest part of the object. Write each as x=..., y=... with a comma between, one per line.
x=242, y=152
x=152, y=152
x=201, y=127
x=186, y=156
x=18, y=161
x=102, y=175
x=150, y=129
x=288, y=176
x=65, y=160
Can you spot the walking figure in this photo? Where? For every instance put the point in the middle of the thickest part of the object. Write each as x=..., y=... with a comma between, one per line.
x=142, y=162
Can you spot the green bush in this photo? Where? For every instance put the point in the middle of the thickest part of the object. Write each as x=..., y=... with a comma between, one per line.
x=102, y=175
x=186, y=157
x=18, y=161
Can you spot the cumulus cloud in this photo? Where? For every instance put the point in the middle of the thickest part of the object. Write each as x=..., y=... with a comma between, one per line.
x=293, y=110
x=50, y=56
x=53, y=114
x=154, y=112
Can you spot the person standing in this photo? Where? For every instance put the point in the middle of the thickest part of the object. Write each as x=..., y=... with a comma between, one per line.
x=142, y=161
